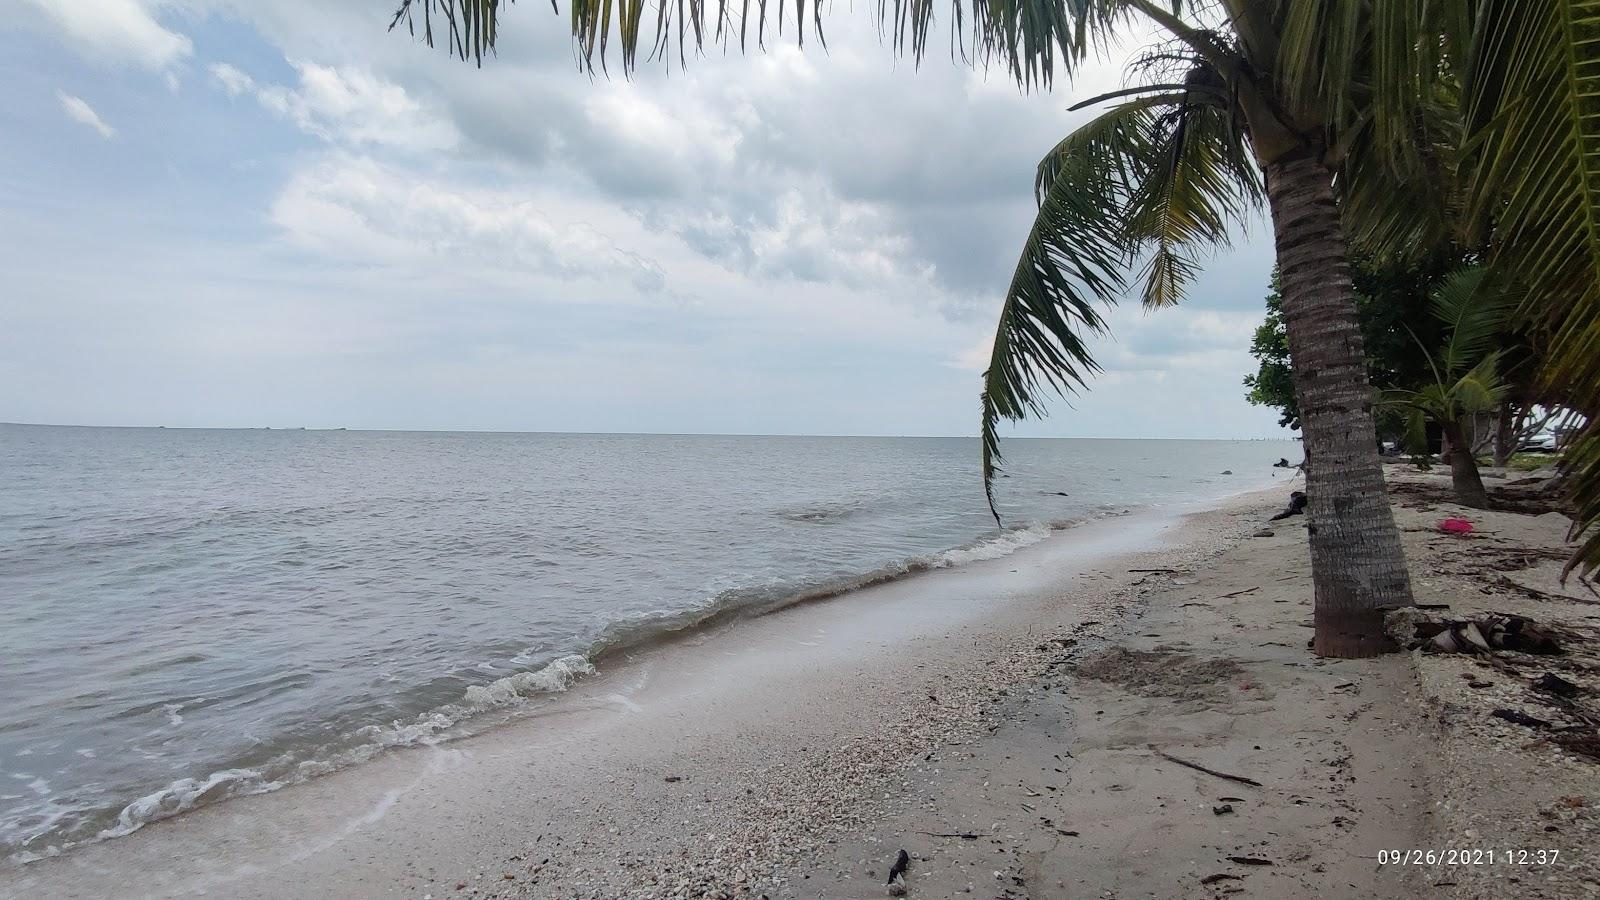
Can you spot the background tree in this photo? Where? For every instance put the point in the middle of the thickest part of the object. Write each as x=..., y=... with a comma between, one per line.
x=1390, y=299
x=1273, y=383
x=1464, y=380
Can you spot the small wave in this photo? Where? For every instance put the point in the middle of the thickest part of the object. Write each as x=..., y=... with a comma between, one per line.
x=1000, y=545
x=184, y=794
x=552, y=679
x=187, y=793
x=821, y=513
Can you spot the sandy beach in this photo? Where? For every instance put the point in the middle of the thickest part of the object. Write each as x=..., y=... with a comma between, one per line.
x=1125, y=710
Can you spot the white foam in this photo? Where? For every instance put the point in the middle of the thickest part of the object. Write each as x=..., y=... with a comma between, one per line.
x=182, y=795
x=554, y=678
x=996, y=547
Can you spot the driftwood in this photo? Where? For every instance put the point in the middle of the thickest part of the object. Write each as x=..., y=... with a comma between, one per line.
x=1199, y=768
x=1240, y=593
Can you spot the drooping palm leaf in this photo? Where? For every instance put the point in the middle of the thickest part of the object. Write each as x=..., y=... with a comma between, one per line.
x=1192, y=198
x=1532, y=93
x=1157, y=176
x=1074, y=259
x=1033, y=39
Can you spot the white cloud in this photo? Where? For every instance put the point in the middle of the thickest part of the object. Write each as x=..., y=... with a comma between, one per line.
x=115, y=31
x=232, y=81
x=346, y=105
x=79, y=111
x=358, y=210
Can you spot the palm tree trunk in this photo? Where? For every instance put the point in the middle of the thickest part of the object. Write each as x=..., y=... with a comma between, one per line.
x=1464, y=476
x=1505, y=431
x=1357, y=563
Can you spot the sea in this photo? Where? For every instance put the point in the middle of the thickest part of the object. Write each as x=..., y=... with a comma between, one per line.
x=188, y=615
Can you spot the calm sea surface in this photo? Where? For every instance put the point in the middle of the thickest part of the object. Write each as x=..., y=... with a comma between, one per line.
x=191, y=614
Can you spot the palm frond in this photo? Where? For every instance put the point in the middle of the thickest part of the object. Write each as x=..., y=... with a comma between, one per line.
x=1165, y=176
x=1033, y=40
x=1474, y=313
x=1532, y=92
x=1203, y=185
x=468, y=28
x=1480, y=389
x=1374, y=66
x=1075, y=258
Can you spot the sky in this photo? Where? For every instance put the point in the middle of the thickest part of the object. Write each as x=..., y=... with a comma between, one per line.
x=233, y=214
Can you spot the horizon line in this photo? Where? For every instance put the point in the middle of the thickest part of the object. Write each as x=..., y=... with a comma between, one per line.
x=470, y=430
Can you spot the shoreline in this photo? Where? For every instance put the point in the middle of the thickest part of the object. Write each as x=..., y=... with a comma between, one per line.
x=401, y=772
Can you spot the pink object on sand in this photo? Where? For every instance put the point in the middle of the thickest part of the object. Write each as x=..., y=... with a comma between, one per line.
x=1455, y=526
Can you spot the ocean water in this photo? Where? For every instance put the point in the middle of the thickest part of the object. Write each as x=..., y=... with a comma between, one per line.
x=187, y=615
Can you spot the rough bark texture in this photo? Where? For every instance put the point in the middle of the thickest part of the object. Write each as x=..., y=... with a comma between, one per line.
x=1464, y=476
x=1357, y=562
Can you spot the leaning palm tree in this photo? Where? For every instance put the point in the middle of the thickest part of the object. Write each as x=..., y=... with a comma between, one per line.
x=1467, y=382
x=1297, y=105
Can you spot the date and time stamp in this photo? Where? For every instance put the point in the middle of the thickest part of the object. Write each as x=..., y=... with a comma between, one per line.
x=1470, y=856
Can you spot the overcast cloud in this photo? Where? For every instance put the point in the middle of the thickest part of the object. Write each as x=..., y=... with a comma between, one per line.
x=305, y=220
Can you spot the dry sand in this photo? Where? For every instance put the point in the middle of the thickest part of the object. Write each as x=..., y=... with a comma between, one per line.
x=1012, y=724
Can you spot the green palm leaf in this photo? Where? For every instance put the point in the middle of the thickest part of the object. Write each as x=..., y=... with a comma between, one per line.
x=1033, y=39
x=1074, y=258
x=1203, y=184
x=1166, y=175
x=1532, y=92
x=1474, y=314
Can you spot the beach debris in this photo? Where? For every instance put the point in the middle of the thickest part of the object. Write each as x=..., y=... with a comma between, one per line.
x=1520, y=718
x=1199, y=768
x=1251, y=861
x=1222, y=809
x=1455, y=526
x=1240, y=593
x=1265, y=532
x=1536, y=594
x=1551, y=683
x=673, y=779
x=1227, y=471
x=1220, y=876
x=1491, y=632
x=964, y=835
x=1297, y=505
x=1153, y=571
x=897, y=874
